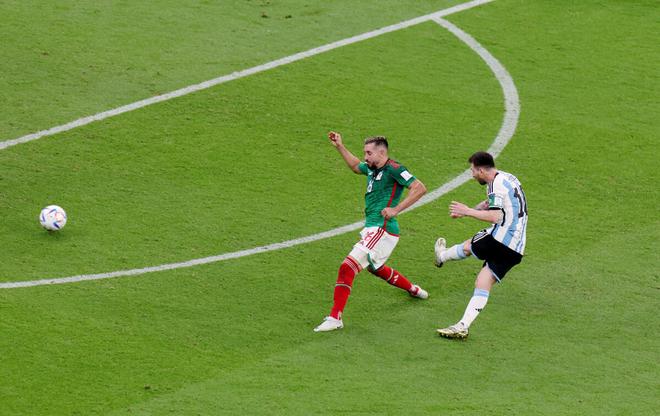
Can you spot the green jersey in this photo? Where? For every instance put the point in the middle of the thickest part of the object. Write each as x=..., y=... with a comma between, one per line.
x=384, y=189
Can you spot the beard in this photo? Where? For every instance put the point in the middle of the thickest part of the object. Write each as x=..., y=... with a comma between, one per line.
x=481, y=181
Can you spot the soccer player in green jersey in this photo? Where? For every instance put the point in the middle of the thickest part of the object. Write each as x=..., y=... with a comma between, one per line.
x=385, y=182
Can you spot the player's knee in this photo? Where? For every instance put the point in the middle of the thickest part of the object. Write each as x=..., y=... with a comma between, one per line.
x=349, y=266
x=485, y=279
x=344, y=267
x=467, y=248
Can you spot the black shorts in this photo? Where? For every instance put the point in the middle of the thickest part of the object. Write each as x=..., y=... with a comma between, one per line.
x=498, y=257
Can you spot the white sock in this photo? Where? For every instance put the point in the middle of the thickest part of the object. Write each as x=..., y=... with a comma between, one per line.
x=476, y=304
x=453, y=253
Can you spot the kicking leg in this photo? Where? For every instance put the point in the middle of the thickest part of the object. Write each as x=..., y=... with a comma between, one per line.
x=458, y=252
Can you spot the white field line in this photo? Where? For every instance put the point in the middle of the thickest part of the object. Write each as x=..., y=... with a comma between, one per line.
x=509, y=123
x=511, y=109
x=238, y=74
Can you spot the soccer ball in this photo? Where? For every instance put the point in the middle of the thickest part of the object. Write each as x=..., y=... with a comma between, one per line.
x=52, y=218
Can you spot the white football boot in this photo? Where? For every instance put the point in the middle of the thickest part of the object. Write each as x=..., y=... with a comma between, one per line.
x=440, y=246
x=329, y=324
x=418, y=292
x=458, y=331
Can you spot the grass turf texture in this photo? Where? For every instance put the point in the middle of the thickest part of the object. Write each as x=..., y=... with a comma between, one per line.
x=239, y=166
x=67, y=60
x=571, y=331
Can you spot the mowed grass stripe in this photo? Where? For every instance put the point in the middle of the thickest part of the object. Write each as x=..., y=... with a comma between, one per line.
x=76, y=58
x=236, y=75
x=512, y=110
x=211, y=172
x=570, y=331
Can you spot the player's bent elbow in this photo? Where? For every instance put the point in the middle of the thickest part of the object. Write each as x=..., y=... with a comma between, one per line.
x=420, y=187
x=497, y=218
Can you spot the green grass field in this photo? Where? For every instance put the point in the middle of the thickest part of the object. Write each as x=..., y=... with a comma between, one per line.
x=571, y=331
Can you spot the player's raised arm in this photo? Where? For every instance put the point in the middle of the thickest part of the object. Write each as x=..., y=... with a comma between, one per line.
x=349, y=158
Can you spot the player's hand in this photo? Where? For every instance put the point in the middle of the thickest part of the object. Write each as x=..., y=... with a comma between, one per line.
x=388, y=213
x=481, y=206
x=458, y=210
x=335, y=138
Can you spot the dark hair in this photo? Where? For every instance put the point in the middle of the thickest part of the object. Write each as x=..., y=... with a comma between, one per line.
x=482, y=160
x=377, y=141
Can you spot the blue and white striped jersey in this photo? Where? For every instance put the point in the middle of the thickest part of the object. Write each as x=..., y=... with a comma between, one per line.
x=505, y=193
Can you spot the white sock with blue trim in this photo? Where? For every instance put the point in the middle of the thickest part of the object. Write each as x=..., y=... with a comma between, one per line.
x=476, y=304
x=453, y=253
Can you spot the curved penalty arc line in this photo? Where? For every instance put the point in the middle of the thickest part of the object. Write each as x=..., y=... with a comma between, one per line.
x=506, y=132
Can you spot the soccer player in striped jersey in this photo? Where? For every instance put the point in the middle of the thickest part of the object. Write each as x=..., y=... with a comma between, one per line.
x=385, y=182
x=501, y=246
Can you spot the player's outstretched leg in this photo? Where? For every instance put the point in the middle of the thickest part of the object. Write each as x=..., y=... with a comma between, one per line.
x=347, y=271
x=457, y=252
x=395, y=278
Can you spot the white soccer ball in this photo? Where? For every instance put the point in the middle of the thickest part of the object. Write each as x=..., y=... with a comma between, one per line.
x=52, y=218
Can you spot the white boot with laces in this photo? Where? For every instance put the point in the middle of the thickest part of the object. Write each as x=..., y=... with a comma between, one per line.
x=329, y=324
